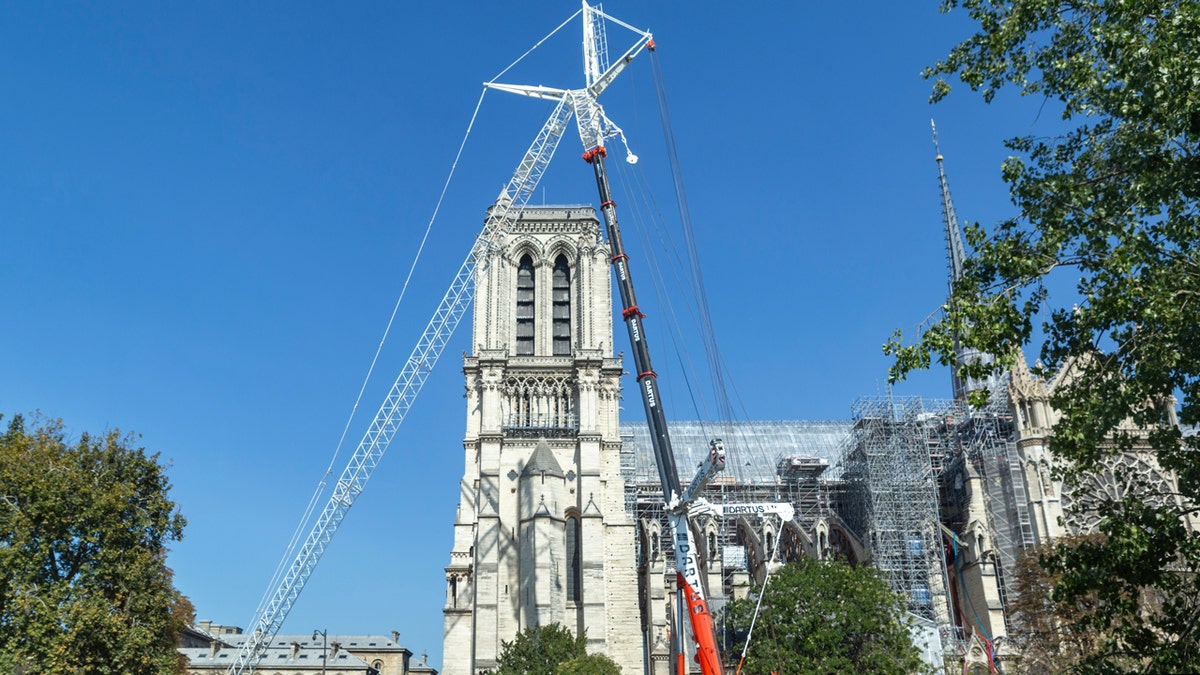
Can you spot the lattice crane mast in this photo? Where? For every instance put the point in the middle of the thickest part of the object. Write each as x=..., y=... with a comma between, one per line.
x=279, y=599
x=594, y=129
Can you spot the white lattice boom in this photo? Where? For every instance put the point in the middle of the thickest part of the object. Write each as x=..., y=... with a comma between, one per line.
x=395, y=407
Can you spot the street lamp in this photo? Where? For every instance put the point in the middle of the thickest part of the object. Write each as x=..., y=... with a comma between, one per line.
x=324, y=640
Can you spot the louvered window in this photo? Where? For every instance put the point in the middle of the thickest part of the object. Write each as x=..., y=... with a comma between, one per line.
x=562, y=307
x=525, y=306
x=574, y=561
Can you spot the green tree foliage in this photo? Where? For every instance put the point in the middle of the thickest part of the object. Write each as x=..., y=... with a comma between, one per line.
x=820, y=618
x=543, y=650
x=592, y=664
x=83, y=532
x=1112, y=205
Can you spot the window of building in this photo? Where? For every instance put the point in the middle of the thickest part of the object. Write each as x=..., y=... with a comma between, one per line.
x=525, y=306
x=574, y=561
x=562, y=306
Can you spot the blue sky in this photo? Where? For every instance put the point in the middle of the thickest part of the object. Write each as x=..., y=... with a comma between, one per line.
x=207, y=211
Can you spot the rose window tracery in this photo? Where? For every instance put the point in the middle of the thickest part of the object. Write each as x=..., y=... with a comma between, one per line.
x=1121, y=475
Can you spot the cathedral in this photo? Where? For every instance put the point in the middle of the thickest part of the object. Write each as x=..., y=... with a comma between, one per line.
x=560, y=515
x=542, y=534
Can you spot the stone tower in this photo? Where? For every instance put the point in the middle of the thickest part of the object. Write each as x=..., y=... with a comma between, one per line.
x=541, y=534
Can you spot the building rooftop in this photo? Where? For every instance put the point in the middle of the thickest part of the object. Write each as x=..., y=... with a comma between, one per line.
x=283, y=656
x=754, y=451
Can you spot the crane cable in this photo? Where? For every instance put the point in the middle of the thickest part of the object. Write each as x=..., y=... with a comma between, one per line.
x=637, y=187
x=723, y=386
x=719, y=368
x=315, y=499
x=708, y=334
x=712, y=350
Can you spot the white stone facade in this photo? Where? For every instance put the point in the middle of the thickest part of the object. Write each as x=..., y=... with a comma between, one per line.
x=541, y=534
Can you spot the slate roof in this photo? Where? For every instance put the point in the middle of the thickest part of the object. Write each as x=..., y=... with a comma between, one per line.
x=542, y=460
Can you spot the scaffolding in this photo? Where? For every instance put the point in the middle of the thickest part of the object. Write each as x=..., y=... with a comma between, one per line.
x=889, y=498
x=766, y=461
x=984, y=447
x=893, y=477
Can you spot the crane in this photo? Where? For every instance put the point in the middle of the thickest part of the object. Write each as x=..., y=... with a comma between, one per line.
x=687, y=564
x=283, y=593
x=785, y=511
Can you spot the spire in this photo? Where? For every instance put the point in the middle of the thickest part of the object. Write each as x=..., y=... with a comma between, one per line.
x=956, y=256
x=954, y=245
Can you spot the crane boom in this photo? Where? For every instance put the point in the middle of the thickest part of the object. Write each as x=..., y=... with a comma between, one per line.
x=395, y=407
x=594, y=127
x=687, y=564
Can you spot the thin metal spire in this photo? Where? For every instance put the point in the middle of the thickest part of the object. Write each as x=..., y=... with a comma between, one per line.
x=956, y=255
x=954, y=245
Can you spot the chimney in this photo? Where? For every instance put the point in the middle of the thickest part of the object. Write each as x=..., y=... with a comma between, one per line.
x=205, y=626
x=295, y=650
x=334, y=647
x=423, y=657
x=396, y=638
x=214, y=647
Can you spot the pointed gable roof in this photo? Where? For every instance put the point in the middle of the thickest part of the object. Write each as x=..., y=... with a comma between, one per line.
x=542, y=460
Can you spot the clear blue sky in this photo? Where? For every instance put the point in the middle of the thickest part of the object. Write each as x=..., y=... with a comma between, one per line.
x=207, y=211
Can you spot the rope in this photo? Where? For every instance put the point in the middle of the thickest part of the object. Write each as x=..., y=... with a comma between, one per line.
x=535, y=46
x=988, y=643
x=636, y=184
x=708, y=334
x=636, y=187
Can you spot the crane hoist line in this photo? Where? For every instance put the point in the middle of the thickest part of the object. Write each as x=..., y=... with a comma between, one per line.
x=595, y=128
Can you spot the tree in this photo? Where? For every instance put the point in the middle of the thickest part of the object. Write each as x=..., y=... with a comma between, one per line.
x=822, y=617
x=84, y=587
x=1112, y=205
x=545, y=650
x=592, y=664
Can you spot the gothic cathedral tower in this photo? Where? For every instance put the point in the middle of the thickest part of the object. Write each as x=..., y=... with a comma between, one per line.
x=541, y=534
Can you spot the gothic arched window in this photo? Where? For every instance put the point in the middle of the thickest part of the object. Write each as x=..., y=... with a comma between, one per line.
x=562, y=307
x=574, y=561
x=525, y=306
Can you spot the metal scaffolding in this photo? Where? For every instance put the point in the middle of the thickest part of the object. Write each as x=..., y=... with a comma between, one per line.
x=892, y=477
x=889, y=498
x=766, y=462
x=983, y=443
x=769, y=461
